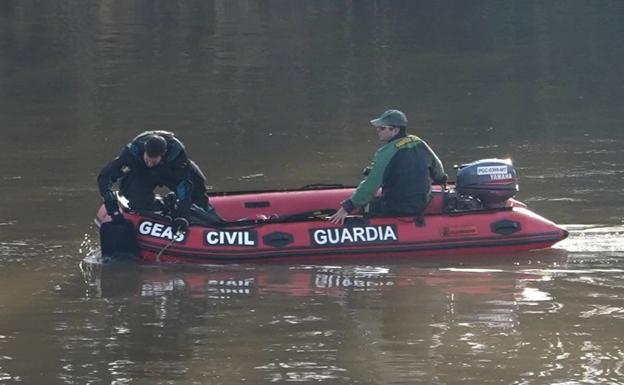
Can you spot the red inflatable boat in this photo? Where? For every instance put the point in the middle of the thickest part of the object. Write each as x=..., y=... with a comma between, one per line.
x=478, y=217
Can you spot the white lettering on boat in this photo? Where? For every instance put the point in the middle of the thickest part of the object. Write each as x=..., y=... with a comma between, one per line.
x=500, y=176
x=489, y=170
x=159, y=230
x=354, y=235
x=230, y=238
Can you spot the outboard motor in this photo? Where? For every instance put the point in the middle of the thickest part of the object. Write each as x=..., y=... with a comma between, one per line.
x=492, y=181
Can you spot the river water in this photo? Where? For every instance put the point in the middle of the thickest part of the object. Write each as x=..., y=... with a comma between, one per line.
x=277, y=94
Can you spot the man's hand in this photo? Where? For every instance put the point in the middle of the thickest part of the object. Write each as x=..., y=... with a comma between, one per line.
x=339, y=217
x=117, y=217
x=110, y=203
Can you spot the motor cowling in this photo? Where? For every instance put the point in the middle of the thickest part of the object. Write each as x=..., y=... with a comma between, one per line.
x=492, y=181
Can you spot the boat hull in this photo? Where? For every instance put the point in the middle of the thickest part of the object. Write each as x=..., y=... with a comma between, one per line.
x=512, y=228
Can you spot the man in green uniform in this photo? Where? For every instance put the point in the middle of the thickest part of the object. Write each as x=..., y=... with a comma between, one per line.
x=404, y=167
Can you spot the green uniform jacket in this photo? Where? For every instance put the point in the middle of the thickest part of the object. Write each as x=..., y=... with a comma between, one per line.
x=405, y=167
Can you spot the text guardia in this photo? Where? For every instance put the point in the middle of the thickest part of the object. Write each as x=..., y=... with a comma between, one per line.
x=354, y=235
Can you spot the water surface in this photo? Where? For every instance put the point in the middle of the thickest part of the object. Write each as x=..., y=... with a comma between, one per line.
x=278, y=94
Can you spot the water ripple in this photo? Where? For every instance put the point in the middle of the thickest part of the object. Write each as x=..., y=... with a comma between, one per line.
x=604, y=310
x=593, y=238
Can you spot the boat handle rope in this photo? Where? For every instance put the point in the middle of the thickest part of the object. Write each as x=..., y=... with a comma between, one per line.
x=163, y=249
x=253, y=223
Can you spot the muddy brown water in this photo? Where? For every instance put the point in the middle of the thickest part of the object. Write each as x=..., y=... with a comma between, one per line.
x=278, y=94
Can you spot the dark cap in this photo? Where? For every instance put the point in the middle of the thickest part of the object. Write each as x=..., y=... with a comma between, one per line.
x=155, y=145
x=394, y=118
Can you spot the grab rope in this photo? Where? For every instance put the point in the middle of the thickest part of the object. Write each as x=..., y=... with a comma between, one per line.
x=163, y=249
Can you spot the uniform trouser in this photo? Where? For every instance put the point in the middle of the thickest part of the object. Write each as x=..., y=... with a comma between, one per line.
x=380, y=207
x=138, y=188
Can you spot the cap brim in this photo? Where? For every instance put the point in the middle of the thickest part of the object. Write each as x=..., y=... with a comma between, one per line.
x=377, y=123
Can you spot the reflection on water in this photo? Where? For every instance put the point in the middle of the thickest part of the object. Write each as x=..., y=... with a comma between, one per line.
x=522, y=318
x=541, y=317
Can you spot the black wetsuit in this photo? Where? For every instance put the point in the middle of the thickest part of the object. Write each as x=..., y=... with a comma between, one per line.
x=137, y=181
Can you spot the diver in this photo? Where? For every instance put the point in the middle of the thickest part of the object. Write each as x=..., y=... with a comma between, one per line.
x=154, y=159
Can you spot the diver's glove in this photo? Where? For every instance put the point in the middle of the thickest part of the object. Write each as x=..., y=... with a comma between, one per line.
x=171, y=203
x=110, y=203
x=117, y=217
x=180, y=225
